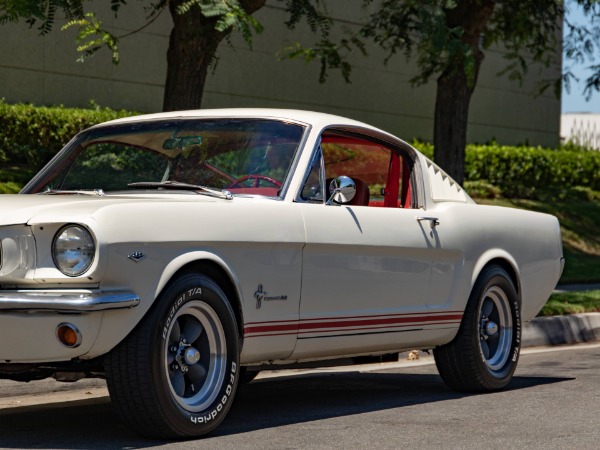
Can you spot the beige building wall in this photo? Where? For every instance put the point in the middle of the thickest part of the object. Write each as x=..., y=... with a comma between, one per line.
x=44, y=70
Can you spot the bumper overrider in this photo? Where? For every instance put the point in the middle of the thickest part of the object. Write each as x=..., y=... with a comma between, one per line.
x=54, y=325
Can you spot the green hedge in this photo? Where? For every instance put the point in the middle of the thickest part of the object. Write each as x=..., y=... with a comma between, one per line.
x=528, y=172
x=34, y=134
x=31, y=135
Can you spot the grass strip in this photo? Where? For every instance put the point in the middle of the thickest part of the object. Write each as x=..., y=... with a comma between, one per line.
x=575, y=302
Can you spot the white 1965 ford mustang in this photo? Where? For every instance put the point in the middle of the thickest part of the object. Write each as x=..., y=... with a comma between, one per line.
x=177, y=254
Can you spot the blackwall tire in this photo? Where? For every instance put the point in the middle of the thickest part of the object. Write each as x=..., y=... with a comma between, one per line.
x=484, y=354
x=176, y=374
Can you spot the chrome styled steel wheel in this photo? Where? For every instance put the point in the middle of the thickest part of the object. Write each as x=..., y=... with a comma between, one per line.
x=495, y=328
x=195, y=356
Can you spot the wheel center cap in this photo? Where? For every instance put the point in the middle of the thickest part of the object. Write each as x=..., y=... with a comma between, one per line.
x=491, y=328
x=191, y=356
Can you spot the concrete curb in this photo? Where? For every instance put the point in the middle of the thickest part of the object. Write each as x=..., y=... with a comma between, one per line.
x=559, y=330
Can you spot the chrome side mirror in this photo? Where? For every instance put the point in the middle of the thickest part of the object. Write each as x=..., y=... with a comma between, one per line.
x=343, y=189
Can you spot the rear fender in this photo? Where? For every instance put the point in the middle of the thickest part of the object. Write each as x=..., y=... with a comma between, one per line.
x=496, y=254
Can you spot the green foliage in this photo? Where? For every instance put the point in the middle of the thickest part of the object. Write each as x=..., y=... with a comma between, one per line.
x=424, y=147
x=441, y=36
x=493, y=171
x=33, y=134
x=112, y=166
x=482, y=189
x=39, y=12
x=13, y=177
x=10, y=187
x=92, y=37
x=575, y=147
x=328, y=53
x=528, y=172
x=572, y=303
x=433, y=32
x=581, y=45
x=230, y=14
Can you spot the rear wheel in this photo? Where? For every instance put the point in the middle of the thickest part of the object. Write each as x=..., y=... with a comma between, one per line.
x=484, y=354
x=176, y=374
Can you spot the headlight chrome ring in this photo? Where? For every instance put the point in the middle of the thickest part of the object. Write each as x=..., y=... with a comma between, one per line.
x=73, y=250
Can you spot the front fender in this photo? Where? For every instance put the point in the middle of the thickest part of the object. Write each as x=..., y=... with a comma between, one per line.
x=187, y=258
x=116, y=325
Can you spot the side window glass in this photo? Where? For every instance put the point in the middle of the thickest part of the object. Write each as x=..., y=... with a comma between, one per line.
x=382, y=176
x=312, y=191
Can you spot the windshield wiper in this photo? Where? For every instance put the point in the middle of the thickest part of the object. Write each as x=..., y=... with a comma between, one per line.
x=178, y=185
x=95, y=192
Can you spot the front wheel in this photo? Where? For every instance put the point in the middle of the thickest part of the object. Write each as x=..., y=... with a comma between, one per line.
x=176, y=374
x=484, y=354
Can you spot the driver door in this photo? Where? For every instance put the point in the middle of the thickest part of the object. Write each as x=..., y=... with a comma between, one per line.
x=366, y=264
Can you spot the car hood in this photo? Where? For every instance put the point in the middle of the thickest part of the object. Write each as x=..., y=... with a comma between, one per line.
x=28, y=209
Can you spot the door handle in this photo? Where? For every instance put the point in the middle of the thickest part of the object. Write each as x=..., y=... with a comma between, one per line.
x=433, y=221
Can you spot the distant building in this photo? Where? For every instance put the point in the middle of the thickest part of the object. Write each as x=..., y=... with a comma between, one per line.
x=44, y=71
x=581, y=129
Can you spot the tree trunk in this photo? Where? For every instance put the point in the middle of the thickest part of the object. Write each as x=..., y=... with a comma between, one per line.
x=454, y=88
x=450, y=122
x=192, y=48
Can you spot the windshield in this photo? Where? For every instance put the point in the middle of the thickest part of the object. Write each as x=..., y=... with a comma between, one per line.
x=243, y=156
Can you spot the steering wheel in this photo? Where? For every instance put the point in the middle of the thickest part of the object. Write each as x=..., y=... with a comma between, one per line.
x=256, y=179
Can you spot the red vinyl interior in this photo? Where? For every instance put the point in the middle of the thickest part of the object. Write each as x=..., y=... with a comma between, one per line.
x=266, y=191
x=397, y=192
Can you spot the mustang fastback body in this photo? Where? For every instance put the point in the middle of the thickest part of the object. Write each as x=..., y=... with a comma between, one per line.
x=178, y=253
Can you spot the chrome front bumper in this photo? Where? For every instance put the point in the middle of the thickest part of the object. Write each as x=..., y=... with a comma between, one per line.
x=66, y=301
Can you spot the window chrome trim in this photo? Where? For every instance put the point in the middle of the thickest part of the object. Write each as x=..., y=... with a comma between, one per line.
x=295, y=162
x=316, y=153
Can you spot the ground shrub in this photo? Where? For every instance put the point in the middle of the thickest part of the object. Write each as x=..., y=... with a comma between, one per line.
x=34, y=134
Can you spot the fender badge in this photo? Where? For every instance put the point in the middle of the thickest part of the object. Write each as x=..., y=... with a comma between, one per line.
x=261, y=295
x=136, y=256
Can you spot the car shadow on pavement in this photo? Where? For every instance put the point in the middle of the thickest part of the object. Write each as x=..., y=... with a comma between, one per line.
x=278, y=402
x=262, y=404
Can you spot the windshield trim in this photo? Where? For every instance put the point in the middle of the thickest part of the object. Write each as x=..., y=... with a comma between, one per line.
x=60, y=161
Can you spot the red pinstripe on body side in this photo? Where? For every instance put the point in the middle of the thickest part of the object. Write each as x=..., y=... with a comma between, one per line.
x=350, y=323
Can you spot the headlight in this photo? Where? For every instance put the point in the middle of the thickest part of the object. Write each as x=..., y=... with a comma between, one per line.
x=73, y=250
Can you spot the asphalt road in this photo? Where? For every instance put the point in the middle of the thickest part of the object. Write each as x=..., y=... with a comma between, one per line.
x=552, y=403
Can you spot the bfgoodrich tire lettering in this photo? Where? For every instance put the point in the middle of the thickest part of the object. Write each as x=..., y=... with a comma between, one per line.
x=484, y=354
x=176, y=374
